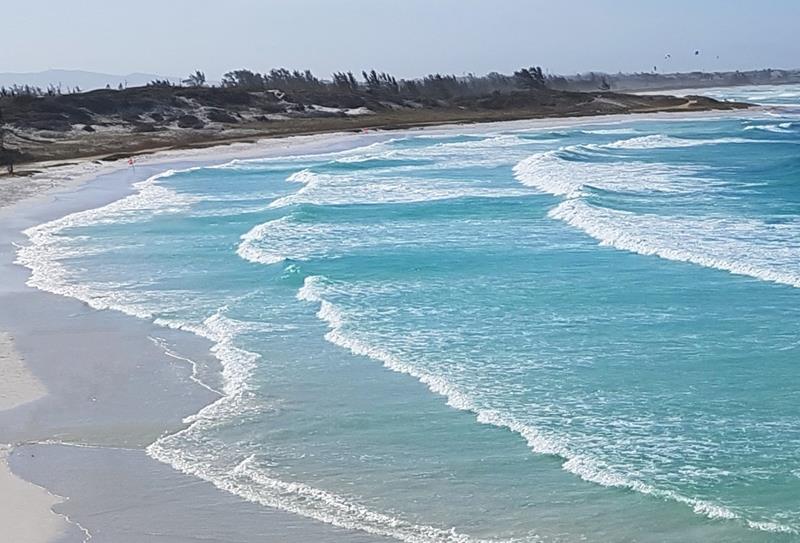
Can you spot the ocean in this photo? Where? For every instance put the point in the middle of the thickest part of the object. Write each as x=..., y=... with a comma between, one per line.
x=575, y=333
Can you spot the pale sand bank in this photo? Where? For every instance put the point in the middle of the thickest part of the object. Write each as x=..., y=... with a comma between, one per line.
x=25, y=509
x=112, y=390
x=17, y=385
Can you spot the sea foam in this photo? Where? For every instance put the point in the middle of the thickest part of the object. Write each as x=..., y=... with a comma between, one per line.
x=539, y=441
x=556, y=173
x=750, y=248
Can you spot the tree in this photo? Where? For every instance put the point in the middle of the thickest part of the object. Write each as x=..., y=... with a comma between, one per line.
x=530, y=78
x=160, y=83
x=352, y=80
x=341, y=81
x=197, y=79
x=243, y=79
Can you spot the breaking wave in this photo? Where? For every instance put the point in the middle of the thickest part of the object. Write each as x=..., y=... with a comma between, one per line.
x=540, y=441
x=191, y=450
x=749, y=247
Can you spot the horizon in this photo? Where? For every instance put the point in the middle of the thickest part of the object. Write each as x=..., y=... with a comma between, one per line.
x=633, y=38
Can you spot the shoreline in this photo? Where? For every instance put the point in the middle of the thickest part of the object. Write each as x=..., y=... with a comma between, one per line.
x=37, y=135
x=125, y=389
x=28, y=517
x=70, y=323
x=38, y=179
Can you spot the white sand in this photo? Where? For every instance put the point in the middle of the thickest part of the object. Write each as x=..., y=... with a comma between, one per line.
x=25, y=514
x=17, y=385
x=25, y=509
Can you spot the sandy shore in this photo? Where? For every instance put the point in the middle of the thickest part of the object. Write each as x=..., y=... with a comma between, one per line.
x=18, y=385
x=82, y=392
x=28, y=517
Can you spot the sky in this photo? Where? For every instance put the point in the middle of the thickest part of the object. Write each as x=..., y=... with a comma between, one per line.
x=408, y=38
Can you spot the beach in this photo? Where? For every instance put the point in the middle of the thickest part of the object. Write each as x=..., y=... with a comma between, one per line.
x=102, y=364
x=28, y=516
x=110, y=388
x=85, y=391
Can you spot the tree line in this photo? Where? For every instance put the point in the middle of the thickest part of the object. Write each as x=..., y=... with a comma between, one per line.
x=433, y=86
x=33, y=90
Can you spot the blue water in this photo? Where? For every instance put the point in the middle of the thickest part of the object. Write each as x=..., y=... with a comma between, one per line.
x=573, y=333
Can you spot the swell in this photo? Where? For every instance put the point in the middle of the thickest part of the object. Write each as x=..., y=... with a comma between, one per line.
x=645, y=235
x=739, y=246
x=567, y=172
x=539, y=441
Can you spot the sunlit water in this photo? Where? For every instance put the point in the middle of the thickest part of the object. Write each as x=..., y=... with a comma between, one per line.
x=580, y=333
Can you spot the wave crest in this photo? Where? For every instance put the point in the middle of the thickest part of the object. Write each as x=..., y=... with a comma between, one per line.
x=590, y=469
x=723, y=244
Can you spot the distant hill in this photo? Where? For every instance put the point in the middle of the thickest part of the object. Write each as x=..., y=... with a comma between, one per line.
x=79, y=78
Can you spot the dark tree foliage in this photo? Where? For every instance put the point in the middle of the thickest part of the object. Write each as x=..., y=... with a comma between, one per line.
x=530, y=78
x=383, y=84
x=243, y=79
x=345, y=82
x=197, y=79
x=160, y=84
x=23, y=90
x=435, y=87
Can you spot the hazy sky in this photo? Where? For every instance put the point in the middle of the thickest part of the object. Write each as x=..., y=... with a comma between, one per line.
x=405, y=37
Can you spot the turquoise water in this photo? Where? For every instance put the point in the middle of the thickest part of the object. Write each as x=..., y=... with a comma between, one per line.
x=563, y=334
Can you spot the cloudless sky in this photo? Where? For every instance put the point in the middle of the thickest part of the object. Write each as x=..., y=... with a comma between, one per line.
x=406, y=37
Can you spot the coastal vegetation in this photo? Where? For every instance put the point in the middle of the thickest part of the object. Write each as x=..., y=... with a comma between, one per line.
x=60, y=123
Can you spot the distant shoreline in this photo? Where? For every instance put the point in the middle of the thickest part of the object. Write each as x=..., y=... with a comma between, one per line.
x=685, y=91
x=87, y=147
x=41, y=178
x=711, y=85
